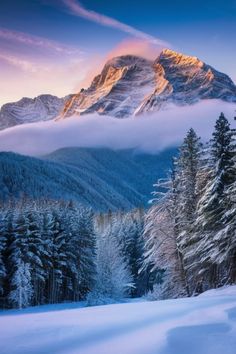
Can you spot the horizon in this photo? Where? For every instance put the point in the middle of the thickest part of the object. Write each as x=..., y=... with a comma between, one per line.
x=42, y=47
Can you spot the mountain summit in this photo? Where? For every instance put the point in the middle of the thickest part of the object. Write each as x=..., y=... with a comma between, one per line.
x=129, y=85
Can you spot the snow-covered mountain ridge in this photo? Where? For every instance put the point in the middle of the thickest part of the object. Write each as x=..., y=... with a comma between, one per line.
x=29, y=110
x=129, y=85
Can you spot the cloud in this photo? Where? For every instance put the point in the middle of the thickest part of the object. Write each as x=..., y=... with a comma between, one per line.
x=32, y=65
x=25, y=77
x=79, y=10
x=142, y=48
x=23, y=64
x=36, y=41
x=148, y=133
x=130, y=46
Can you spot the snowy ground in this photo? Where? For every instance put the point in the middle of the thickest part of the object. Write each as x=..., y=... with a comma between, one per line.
x=202, y=325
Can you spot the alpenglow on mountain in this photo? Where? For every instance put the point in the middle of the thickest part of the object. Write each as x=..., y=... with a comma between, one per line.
x=129, y=85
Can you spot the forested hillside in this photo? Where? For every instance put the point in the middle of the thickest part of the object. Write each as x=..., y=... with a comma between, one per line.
x=99, y=178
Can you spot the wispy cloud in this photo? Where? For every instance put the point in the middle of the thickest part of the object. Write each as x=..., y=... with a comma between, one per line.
x=23, y=64
x=36, y=41
x=78, y=9
x=31, y=65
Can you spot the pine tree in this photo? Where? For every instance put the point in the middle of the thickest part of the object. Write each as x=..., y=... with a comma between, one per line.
x=169, y=223
x=162, y=254
x=86, y=252
x=225, y=239
x=113, y=280
x=21, y=293
x=36, y=251
x=212, y=207
x=18, y=268
x=57, y=249
x=2, y=251
x=129, y=230
x=188, y=165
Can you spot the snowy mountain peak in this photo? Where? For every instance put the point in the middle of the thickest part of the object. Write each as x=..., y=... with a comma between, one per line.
x=129, y=85
x=126, y=60
x=118, y=90
x=176, y=58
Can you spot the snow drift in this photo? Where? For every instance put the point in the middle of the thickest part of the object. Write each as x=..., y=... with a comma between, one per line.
x=201, y=325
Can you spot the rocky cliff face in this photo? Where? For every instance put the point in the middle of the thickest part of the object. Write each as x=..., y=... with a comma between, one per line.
x=28, y=110
x=130, y=85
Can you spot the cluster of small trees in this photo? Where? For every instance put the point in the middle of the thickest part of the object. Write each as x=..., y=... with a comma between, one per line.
x=120, y=255
x=53, y=252
x=47, y=253
x=191, y=231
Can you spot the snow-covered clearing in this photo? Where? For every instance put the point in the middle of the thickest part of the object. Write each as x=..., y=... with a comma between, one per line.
x=200, y=325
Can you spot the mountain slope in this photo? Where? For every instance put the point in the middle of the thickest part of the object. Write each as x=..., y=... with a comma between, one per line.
x=129, y=85
x=28, y=110
x=101, y=178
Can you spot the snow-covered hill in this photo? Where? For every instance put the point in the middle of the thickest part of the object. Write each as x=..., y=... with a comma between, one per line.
x=28, y=110
x=129, y=85
x=101, y=178
x=200, y=325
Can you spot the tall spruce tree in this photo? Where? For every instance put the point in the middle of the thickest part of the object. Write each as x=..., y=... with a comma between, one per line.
x=2, y=252
x=212, y=207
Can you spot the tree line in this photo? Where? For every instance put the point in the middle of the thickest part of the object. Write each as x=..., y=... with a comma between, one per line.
x=52, y=251
x=47, y=253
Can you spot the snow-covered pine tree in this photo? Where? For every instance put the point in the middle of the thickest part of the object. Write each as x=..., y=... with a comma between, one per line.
x=225, y=238
x=22, y=291
x=46, y=234
x=36, y=250
x=57, y=249
x=113, y=278
x=2, y=253
x=7, y=230
x=168, y=229
x=20, y=278
x=129, y=229
x=162, y=252
x=85, y=252
x=212, y=207
x=188, y=166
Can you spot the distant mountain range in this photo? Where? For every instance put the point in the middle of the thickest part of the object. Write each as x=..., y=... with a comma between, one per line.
x=101, y=178
x=30, y=110
x=130, y=85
